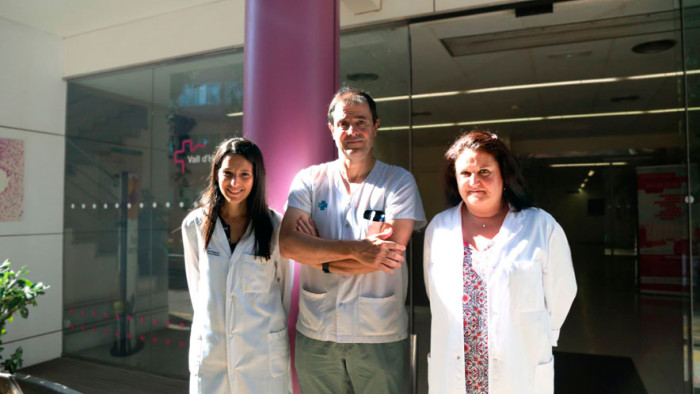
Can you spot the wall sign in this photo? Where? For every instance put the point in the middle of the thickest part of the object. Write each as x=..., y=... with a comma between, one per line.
x=186, y=154
x=11, y=179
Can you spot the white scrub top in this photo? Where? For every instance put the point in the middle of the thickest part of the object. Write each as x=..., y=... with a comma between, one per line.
x=367, y=308
x=238, y=342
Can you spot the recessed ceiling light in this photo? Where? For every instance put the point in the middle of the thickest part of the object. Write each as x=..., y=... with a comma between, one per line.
x=596, y=164
x=577, y=82
x=657, y=46
x=542, y=118
x=362, y=77
x=569, y=55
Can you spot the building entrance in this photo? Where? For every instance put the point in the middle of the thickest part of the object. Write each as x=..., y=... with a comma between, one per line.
x=590, y=103
x=594, y=97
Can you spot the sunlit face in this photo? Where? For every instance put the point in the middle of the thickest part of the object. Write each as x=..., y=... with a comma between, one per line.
x=353, y=130
x=235, y=178
x=479, y=182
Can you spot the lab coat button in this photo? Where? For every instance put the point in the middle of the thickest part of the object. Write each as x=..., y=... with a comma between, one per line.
x=347, y=224
x=459, y=357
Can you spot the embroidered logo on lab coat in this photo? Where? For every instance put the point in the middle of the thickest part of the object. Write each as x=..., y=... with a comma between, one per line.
x=213, y=252
x=323, y=205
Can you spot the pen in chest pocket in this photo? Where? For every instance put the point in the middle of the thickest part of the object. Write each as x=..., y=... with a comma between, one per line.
x=377, y=219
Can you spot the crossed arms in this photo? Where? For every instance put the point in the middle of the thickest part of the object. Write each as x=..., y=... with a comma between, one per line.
x=299, y=240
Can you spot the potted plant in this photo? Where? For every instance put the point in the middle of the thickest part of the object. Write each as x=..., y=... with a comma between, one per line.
x=16, y=294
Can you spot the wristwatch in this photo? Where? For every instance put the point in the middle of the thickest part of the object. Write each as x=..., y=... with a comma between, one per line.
x=326, y=267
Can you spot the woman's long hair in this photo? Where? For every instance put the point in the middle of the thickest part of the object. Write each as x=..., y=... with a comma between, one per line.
x=212, y=200
x=515, y=192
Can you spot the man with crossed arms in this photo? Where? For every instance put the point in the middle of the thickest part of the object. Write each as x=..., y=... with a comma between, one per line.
x=352, y=326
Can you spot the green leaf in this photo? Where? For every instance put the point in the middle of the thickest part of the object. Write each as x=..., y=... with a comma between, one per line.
x=16, y=294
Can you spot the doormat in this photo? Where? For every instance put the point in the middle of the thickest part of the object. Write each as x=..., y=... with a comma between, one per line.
x=592, y=373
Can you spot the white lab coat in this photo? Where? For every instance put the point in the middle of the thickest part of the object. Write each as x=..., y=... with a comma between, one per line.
x=530, y=290
x=238, y=342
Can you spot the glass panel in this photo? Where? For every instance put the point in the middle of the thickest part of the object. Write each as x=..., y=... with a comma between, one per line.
x=592, y=108
x=107, y=286
x=197, y=104
x=138, y=149
x=691, y=42
x=378, y=61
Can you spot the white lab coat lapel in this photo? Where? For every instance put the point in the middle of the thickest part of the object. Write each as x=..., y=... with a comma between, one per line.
x=244, y=246
x=219, y=239
x=452, y=268
x=446, y=365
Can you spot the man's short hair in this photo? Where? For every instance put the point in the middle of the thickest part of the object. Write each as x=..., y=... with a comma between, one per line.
x=353, y=96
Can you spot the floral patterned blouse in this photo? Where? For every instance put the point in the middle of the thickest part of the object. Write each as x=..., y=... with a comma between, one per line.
x=475, y=315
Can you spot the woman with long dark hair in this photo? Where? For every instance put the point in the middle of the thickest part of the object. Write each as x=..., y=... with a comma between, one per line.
x=499, y=277
x=238, y=281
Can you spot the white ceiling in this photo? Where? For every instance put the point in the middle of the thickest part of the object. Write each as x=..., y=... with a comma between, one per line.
x=66, y=18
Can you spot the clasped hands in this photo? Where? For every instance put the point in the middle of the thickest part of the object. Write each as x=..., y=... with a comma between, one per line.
x=374, y=253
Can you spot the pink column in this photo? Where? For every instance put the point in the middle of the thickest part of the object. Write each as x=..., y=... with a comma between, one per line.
x=290, y=75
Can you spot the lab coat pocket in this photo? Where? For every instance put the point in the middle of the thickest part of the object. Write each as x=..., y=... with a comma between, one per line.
x=379, y=316
x=256, y=274
x=311, y=309
x=526, y=287
x=278, y=343
x=544, y=377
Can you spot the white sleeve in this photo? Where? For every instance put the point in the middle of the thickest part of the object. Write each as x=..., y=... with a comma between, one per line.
x=190, y=248
x=559, y=280
x=404, y=202
x=285, y=277
x=284, y=274
x=300, y=192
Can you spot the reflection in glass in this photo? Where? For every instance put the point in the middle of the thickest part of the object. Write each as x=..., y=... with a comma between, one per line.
x=378, y=62
x=137, y=148
x=691, y=42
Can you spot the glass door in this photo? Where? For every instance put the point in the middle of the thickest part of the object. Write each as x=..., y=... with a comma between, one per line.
x=590, y=103
x=378, y=61
x=691, y=49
